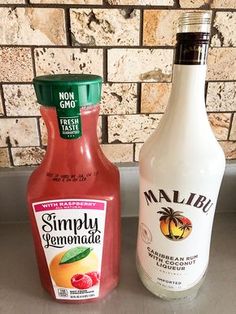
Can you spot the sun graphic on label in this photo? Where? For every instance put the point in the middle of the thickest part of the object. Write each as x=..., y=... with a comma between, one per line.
x=173, y=225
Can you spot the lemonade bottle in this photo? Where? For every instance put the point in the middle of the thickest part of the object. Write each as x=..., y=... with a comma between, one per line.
x=73, y=196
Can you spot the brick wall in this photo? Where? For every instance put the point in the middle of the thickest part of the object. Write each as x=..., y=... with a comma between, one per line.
x=128, y=42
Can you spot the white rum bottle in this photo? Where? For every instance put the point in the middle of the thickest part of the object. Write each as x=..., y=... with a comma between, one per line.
x=181, y=169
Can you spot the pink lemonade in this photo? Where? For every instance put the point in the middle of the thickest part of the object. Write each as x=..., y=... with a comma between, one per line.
x=74, y=195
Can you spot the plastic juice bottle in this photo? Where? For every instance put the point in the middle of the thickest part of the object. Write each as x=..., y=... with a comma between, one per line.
x=181, y=169
x=74, y=195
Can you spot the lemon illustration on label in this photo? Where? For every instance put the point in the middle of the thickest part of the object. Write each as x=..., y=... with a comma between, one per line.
x=174, y=225
x=75, y=265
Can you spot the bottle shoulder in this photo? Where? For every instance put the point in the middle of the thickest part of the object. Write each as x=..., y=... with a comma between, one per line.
x=200, y=160
x=47, y=183
x=182, y=145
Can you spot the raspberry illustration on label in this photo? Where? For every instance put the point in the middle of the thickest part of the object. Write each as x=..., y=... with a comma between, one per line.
x=81, y=281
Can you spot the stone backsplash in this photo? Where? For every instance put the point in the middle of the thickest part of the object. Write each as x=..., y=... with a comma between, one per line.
x=128, y=42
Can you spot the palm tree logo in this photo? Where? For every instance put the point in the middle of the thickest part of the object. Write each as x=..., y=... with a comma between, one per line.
x=174, y=225
x=186, y=226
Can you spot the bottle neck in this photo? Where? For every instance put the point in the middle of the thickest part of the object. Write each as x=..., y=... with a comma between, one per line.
x=185, y=121
x=191, y=48
x=67, y=153
x=186, y=111
x=188, y=85
x=189, y=71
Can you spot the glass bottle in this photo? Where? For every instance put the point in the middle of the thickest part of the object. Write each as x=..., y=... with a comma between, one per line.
x=181, y=168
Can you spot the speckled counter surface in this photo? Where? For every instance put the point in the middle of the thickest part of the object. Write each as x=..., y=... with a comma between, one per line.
x=21, y=293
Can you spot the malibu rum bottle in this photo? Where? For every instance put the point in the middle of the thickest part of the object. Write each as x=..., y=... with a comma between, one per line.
x=181, y=169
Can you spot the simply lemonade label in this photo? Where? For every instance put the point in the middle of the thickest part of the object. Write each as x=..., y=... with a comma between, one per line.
x=174, y=235
x=72, y=236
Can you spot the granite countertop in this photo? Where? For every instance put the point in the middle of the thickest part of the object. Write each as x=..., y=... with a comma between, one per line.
x=21, y=292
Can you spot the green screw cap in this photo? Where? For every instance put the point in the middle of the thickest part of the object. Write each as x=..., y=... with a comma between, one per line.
x=68, y=93
x=85, y=87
